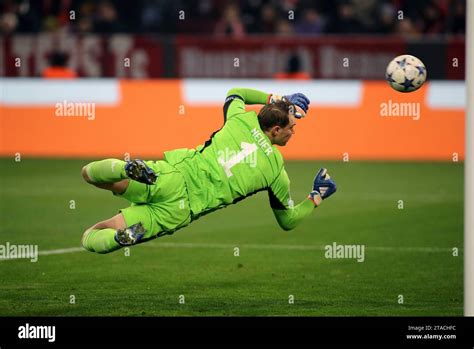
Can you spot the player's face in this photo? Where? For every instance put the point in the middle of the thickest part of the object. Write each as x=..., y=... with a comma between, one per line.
x=284, y=134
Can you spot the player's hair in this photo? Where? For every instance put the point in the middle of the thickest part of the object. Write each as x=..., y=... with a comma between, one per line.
x=274, y=114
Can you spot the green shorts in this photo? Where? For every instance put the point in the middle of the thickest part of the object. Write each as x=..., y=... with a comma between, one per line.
x=161, y=207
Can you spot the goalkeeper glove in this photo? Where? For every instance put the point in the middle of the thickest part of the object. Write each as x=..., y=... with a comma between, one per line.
x=297, y=99
x=323, y=187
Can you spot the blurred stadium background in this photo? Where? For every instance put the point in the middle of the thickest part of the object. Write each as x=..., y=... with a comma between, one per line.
x=156, y=74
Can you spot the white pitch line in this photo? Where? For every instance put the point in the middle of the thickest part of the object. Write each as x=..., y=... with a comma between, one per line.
x=61, y=251
x=50, y=252
x=252, y=246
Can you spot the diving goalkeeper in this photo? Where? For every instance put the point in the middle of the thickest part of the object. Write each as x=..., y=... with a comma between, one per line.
x=168, y=194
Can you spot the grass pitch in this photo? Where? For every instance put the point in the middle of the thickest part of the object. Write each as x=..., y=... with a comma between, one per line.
x=408, y=252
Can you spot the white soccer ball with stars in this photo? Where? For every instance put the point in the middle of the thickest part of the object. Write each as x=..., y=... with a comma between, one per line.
x=406, y=73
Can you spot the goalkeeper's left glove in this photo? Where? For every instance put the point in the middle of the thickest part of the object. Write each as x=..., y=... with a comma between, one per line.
x=323, y=187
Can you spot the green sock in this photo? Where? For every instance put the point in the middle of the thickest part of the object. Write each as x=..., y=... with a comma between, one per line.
x=106, y=171
x=100, y=240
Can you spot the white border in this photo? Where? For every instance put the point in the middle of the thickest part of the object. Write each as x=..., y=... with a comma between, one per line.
x=320, y=92
x=24, y=92
x=469, y=168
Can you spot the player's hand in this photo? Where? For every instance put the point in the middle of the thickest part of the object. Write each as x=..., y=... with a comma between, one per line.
x=323, y=187
x=300, y=101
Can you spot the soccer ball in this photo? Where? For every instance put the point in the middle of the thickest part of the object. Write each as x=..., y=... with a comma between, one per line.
x=405, y=73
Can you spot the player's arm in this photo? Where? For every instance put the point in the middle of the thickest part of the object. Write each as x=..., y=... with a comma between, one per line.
x=237, y=98
x=286, y=213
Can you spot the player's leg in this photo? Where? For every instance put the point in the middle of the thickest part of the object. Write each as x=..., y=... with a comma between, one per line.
x=101, y=236
x=158, y=209
x=135, y=224
x=107, y=174
x=113, y=174
x=170, y=201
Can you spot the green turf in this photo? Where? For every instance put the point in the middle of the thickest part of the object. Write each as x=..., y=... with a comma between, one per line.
x=199, y=263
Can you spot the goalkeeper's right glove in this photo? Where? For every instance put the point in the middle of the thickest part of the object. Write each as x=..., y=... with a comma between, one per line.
x=298, y=100
x=323, y=187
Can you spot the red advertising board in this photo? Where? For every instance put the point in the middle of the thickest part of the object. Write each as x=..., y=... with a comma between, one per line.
x=125, y=56
x=143, y=56
x=323, y=57
x=455, y=59
x=258, y=57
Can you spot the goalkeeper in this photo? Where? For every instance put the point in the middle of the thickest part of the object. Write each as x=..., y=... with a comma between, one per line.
x=168, y=194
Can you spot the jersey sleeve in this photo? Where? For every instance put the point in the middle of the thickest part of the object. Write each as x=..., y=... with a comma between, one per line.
x=286, y=213
x=237, y=98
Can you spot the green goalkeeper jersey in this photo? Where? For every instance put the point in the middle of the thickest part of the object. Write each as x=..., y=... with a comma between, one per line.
x=236, y=162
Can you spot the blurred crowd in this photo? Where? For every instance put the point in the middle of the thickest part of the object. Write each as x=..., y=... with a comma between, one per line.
x=236, y=18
